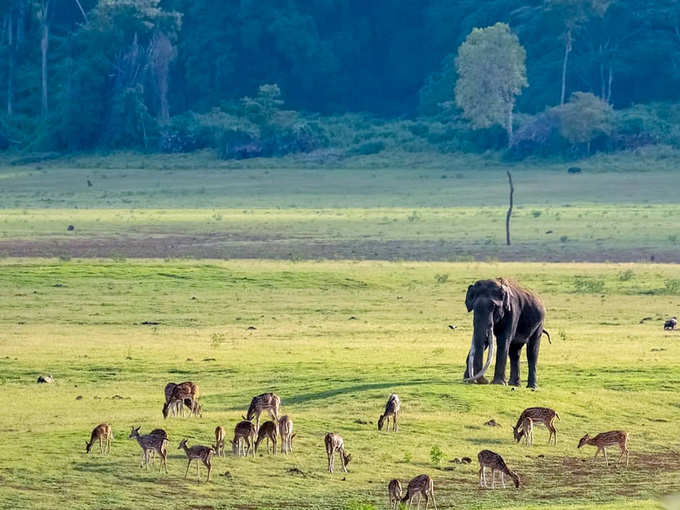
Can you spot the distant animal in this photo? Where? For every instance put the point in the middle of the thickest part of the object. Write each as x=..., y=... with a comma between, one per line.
x=268, y=431
x=539, y=416
x=424, y=487
x=335, y=443
x=269, y=402
x=70, y=228
x=670, y=323
x=452, y=326
x=606, y=439
x=394, y=491
x=197, y=452
x=89, y=183
x=45, y=379
x=493, y=461
x=104, y=434
x=219, y=440
x=151, y=442
x=286, y=433
x=574, y=170
x=512, y=314
x=181, y=392
x=392, y=409
x=244, y=434
x=176, y=406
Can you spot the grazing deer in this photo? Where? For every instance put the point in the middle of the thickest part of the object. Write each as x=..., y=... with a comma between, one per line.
x=265, y=402
x=202, y=453
x=176, y=406
x=423, y=486
x=334, y=443
x=527, y=428
x=269, y=431
x=286, y=433
x=539, y=416
x=181, y=391
x=219, y=440
x=394, y=491
x=244, y=433
x=151, y=442
x=489, y=459
x=194, y=406
x=103, y=433
x=606, y=439
x=670, y=323
x=391, y=409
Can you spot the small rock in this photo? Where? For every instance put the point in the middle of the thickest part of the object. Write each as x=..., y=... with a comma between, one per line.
x=150, y=323
x=360, y=421
x=452, y=326
x=117, y=397
x=574, y=170
x=353, y=318
x=193, y=298
x=227, y=474
x=540, y=456
x=190, y=359
x=466, y=460
x=79, y=397
x=45, y=379
x=492, y=423
x=548, y=231
x=209, y=359
x=70, y=228
x=128, y=357
x=455, y=461
x=251, y=328
x=97, y=397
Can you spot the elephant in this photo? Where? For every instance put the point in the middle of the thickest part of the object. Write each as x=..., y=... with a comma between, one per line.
x=515, y=317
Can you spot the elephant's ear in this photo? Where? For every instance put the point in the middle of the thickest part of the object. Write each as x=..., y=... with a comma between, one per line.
x=469, y=298
x=507, y=298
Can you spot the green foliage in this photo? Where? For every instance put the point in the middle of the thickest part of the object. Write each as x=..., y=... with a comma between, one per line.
x=585, y=117
x=491, y=74
x=436, y=455
x=588, y=285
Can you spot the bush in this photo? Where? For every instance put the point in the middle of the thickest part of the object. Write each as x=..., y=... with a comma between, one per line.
x=368, y=148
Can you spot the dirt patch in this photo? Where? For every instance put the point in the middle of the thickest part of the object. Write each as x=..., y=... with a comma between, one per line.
x=229, y=246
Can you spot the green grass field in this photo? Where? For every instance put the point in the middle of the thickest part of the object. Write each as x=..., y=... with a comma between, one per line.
x=202, y=255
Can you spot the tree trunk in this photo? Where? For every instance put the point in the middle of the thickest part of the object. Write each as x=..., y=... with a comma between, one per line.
x=44, y=45
x=507, y=217
x=609, y=84
x=567, y=50
x=508, y=126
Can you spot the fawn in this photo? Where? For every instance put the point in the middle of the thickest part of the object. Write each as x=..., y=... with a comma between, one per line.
x=151, y=442
x=219, y=440
x=244, y=433
x=202, y=453
x=180, y=392
x=391, y=409
x=423, y=486
x=286, y=433
x=539, y=416
x=103, y=433
x=489, y=459
x=334, y=443
x=527, y=428
x=606, y=439
x=268, y=430
x=265, y=402
x=394, y=491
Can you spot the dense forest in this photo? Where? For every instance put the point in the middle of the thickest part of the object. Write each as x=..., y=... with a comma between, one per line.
x=265, y=77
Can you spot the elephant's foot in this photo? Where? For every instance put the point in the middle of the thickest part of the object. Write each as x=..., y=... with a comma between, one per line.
x=532, y=386
x=514, y=382
x=498, y=380
x=482, y=380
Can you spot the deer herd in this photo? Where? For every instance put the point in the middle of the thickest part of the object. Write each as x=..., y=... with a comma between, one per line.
x=249, y=434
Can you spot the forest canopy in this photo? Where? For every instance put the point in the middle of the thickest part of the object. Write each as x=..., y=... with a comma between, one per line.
x=269, y=77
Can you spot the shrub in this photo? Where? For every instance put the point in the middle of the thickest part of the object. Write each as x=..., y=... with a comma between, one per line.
x=368, y=148
x=586, y=285
x=436, y=455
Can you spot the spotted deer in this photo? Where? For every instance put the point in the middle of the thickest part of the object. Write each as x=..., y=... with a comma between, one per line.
x=244, y=434
x=286, y=433
x=394, y=491
x=181, y=392
x=220, y=434
x=334, y=443
x=176, y=406
x=391, y=410
x=151, y=442
x=539, y=416
x=269, y=402
x=104, y=435
x=493, y=461
x=527, y=428
x=268, y=431
x=155, y=432
x=197, y=453
x=424, y=487
x=605, y=440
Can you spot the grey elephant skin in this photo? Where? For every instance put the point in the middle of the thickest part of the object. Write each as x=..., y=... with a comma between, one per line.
x=513, y=315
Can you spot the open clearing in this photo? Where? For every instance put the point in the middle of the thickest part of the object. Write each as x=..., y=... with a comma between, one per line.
x=83, y=322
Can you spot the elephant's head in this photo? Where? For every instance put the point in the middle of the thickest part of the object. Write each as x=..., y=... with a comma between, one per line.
x=490, y=300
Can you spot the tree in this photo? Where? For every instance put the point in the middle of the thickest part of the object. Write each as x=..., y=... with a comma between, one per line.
x=491, y=74
x=585, y=117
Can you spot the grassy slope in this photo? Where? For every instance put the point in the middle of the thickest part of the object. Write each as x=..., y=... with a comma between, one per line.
x=81, y=320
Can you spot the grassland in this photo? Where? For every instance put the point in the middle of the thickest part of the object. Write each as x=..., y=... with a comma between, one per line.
x=350, y=277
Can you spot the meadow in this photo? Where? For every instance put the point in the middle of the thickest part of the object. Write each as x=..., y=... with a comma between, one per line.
x=333, y=338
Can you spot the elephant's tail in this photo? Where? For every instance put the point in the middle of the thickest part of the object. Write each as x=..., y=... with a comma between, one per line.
x=548, y=335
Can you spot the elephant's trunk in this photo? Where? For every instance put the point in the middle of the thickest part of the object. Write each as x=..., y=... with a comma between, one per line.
x=471, y=371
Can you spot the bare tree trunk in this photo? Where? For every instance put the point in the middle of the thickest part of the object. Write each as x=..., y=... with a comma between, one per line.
x=10, y=65
x=609, y=83
x=82, y=11
x=507, y=217
x=44, y=46
x=508, y=127
x=567, y=50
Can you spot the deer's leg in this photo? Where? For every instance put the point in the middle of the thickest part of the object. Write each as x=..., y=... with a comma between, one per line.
x=493, y=478
x=481, y=473
x=396, y=425
x=434, y=502
x=503, y=479
x=606, y=460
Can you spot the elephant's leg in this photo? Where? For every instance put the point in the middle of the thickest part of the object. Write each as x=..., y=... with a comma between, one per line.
x=532, y=357
x=514, y=353
x=502, y=343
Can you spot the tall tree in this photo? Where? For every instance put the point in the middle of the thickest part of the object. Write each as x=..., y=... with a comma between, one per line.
x=491, y=74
